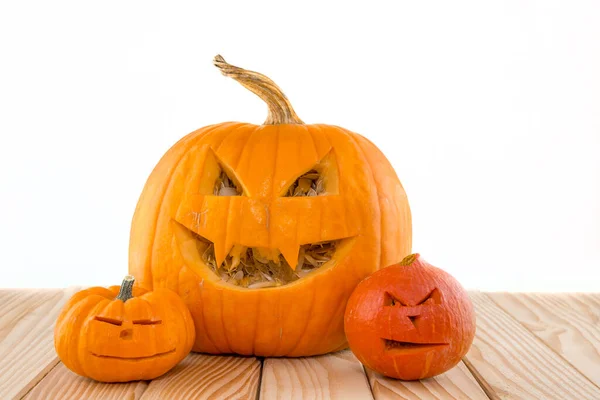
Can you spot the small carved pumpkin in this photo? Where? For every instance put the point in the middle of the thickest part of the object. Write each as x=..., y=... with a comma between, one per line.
x=264, y=231
x=123, y=333
x=410, y=321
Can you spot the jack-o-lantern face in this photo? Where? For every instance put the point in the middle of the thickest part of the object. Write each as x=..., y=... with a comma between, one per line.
x=410, y=321
x=130, y=336
x=265, y=230
x=258, y=228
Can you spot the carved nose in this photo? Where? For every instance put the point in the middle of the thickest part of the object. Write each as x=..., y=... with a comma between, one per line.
x=413, y=319
x=126, y=334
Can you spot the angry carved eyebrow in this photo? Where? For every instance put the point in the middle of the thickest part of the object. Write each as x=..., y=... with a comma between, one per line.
x=434, y=295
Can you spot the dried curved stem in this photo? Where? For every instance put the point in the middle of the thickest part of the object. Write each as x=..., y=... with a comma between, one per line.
x=409, y=259
x=280, y=108
x=126, y=291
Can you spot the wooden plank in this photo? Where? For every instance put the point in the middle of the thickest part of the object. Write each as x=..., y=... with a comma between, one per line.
x=332, y=376
x=458, y=383
x=516, y=364
x=568, y=323
x=208, y=377
x=61, y=384
x=27, y=320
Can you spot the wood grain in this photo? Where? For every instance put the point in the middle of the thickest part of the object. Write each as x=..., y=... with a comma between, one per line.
x=458, y=383
x=333, y=376
x=569, y=324
x=528, y=346
x=26, y=337
x=517, y=364
x=208, y=377
x=61, y=384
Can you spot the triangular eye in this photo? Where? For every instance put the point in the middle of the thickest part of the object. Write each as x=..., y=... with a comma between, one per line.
x=307, y=185
x=225, y=185
x=217, y=178
x=320, y=180
x=390, y=300
x=434, y=297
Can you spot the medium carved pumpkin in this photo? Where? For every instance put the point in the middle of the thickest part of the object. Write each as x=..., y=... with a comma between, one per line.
x=410, y=321
x=123, y=333
x=264, y=231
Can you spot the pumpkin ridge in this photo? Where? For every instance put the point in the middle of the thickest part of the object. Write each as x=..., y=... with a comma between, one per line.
x=223, y=323
x=306, y=324
x=252, y=128
x=84, y=306
x=187, y=318
x=190, y=143
x=256, y=322
x=401, y=205
x=309, y=129
x=233, y=166
x=280, y=339
x=201, y=283
x=372, y=182
x=94, y=310
x=148, y=275
x=208, y=331
x=268, y=213
x=339, y=312
x=325, y=135
x=245, y=150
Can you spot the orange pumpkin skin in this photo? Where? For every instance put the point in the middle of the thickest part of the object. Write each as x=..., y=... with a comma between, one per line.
x=363, y=209
x=106, y=339
x=410, y=321
x=302, y=318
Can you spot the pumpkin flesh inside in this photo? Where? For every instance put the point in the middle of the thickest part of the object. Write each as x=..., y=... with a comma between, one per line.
x=260, y=267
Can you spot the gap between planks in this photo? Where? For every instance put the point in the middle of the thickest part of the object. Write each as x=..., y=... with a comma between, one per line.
x=26, y=337
x=568, y=325
x=260, y=377
x=198, y=376
x=497, y=326
x=457, y=383
x=517, y=364
x=55, y=381
x=341, y=376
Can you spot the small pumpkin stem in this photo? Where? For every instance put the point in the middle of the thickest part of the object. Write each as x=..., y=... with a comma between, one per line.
x=409, y=259
x=126, y=289
x=280, y=108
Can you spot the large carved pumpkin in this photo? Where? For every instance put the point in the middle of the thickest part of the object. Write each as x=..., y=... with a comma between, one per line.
x=264, y=231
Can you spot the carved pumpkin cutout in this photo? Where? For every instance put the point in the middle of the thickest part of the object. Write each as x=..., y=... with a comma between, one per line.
x=410, y=321
x=123, y=333
x=265, y=230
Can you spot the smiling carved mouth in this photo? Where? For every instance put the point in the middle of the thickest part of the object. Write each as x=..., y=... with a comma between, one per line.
x=405, y=347
x=164, y=353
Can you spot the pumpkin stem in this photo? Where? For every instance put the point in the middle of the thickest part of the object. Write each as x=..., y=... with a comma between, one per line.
x=126, y=289
x=280, y=108
x=411, y=258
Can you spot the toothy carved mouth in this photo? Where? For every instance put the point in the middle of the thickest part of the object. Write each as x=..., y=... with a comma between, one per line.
x=256, y=267
x=404, y=347
x=134, y=358
x=260, y=267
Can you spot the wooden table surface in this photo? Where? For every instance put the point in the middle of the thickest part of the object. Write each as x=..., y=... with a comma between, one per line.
x=528, y=346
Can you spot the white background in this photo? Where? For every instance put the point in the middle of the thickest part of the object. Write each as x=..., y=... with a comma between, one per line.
x=489, y=111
